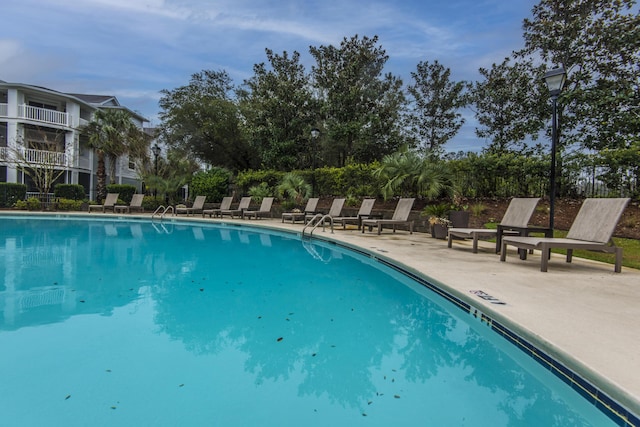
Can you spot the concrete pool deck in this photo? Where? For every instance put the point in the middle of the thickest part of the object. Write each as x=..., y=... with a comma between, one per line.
x=582, y=314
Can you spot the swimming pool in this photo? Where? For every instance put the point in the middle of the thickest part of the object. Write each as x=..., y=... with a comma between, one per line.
x=116, y=322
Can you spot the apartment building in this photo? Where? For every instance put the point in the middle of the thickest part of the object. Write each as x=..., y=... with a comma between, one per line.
x=40, y=124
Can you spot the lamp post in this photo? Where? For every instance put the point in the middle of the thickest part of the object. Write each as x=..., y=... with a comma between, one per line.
x=315, y=133
x=156, y=153
x=555, y=81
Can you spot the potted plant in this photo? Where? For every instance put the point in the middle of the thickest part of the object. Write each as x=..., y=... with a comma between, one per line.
x=458, y=213
x=437, y=217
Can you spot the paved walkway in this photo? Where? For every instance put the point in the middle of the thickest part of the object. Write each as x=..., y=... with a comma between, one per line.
x=583, y=314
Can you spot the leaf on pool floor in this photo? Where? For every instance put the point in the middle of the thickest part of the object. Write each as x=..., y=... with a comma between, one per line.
x=279, y=339
x=68, y=396
x=181, y=385
x=396, y=396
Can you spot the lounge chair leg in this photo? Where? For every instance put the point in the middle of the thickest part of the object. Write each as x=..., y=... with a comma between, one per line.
x=569, y=255
x=618, y=265
x=450, y=240
x=544, y=258
x=475, y=243
x=503, y=252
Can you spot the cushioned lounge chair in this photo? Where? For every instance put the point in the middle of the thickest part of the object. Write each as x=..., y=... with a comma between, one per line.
x=363, y=213
x=135, y=205
x=400, y=218
x=264, y=210
x=198, y=207
x=334, y=211
x=312, y=205
x=109, y=203
x=591, y=230
x=224, y=205
x=515, y=221
x=244, y=204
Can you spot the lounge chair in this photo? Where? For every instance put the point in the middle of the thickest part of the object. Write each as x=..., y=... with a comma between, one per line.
x=400, y=217
x=591, y=230
x=515, y=221
x=109, y=203
x=334, y=211
x=224, y=205
x=264, y=210
x=363, y=213
x=198, y=207
x=244, y=204
x=311, y=207
x=135, y=205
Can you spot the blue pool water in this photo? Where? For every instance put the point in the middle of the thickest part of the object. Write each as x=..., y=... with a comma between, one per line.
x=131, y=323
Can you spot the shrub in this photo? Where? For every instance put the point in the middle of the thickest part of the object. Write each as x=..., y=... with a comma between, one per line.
x=68, y=204
x=214, y=184
x=69, y=191
x=125, y=192
x=11, y=193
x=150, y=203
x=247, y=179
x=259, y=192
x=34, y=204
x=20, y=204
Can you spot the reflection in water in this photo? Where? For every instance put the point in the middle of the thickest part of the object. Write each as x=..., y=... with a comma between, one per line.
x=315, y=319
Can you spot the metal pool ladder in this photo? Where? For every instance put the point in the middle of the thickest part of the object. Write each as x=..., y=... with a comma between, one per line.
x=164, y=211
x=315, y=222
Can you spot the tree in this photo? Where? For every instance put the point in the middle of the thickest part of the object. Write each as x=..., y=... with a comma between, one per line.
x=361, y=106
x=510, y=105
x=435, y=116
x=202, y=118
x=44, y=166
x=112, y=134
x=280, y=111
x=598, y=43
x=406, y=173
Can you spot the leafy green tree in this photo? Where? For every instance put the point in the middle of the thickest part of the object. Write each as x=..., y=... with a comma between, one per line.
x=598, y=43
x=202, y=118
x=213, y=183
x=435, y=115
x=361, y=107
x=510, y=105
x=280, y=110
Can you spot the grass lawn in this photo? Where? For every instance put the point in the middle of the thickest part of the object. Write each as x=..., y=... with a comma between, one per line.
x=630, y=250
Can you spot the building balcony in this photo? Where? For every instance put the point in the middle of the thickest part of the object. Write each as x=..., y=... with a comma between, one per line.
x=40, y=115
x=35, y=158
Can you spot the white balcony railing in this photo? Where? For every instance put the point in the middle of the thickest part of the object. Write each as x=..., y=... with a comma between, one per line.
x=43, y=115
x=4, y=110
x=41, y=157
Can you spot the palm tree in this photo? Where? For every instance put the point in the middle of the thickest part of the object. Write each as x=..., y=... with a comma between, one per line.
x=112, y=134
x=407, y=173
x=294, y=187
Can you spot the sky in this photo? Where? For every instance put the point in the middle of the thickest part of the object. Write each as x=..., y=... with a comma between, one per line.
x=133, y=49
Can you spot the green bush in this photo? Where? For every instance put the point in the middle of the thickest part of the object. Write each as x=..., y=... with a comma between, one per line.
x=34, y=204
x=20, y=204
x=11, y=193
x=259, y=192
x=150, y=203
x=247, y=179
x=69, y=191
x=125, y=191
x=214, y=184
x=68, y=204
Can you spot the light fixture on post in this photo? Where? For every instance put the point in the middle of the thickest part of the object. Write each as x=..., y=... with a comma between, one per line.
x=555, y=81
x=156, y=153
x=315, y=133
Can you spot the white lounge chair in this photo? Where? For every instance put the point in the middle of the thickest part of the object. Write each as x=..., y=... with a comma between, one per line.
x=591, y=230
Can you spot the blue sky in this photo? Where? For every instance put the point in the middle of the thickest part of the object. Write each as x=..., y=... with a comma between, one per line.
x=134, y=48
